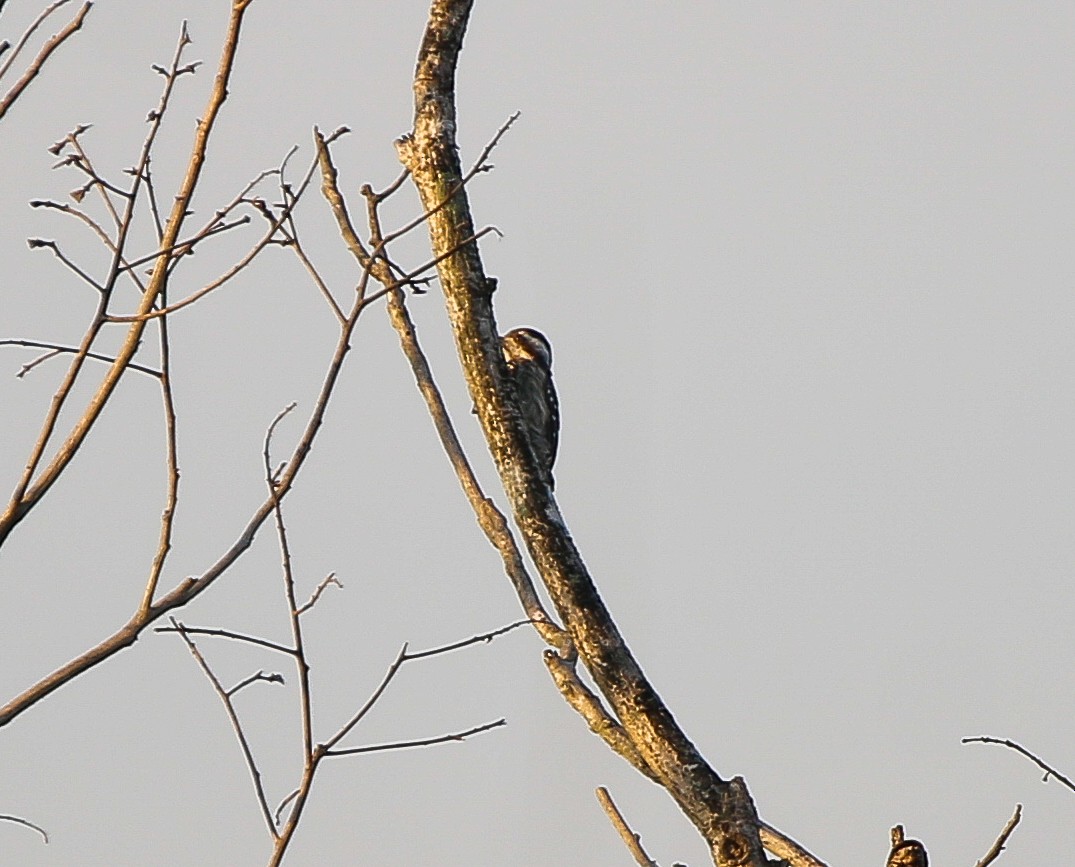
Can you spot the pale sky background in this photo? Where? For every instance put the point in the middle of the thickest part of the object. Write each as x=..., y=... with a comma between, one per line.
x=807, y=269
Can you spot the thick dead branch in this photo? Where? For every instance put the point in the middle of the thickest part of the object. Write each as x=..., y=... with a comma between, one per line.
x=721, y=809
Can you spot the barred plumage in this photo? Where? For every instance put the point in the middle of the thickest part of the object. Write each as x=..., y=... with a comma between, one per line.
x=529, y=358
x=909, y=853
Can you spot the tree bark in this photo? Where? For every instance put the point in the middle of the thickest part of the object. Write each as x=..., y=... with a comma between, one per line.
x=721, y=809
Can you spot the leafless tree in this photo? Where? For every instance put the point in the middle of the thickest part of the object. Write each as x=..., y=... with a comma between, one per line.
x=586, y=657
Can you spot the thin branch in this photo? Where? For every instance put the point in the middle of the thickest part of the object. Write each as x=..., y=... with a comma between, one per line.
x=787, y=849
x=401, y=658
x=316, y=276
x=44, y=244
x=484, y=638
x=187, y=244
x=1012, y=745
x=57, y=348
x=190, y=588
x=257, y=248
x=410, y=276
x=29, y=492
x=18, y=820
x=289, y=196
x=34, y=69
x=999, y=843
x=283, y=804
x=312, y=601
x=423, y=742
x=392, y=671
x=289, y=591
x=227, y=633
x=151, y=197
x=490, y=519
x=28, y=33
x=84, y=164
x=258, y=677
x=630, y=839
x=171, y=460
x=78, y=214
x=237, y=727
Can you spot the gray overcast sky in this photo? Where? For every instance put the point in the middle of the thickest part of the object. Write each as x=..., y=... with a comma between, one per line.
x=807, y=269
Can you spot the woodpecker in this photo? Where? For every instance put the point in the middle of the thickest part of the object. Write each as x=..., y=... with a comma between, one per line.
x=529, y=358
x=909, y=853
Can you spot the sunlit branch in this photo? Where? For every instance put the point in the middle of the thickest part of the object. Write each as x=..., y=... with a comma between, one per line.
x=34, y=69
x=1002, y=839
x=630, y=839
x=32, y=485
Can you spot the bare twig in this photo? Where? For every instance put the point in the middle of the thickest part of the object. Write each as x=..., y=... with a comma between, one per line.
x=29, y=491
x=233, y=716
x=190, y=588
x=81, y=160
x=393, y=669
x=318, y=590
x=265, y=240
x=587, y=705
x=78, y=214
x=186, y=245
x=1012, y=745
x=34, y=69
x=44, y=244
x=28, y=33
x=58, y=348
x=787, y=849
x=257, y=677
x=283, y=804
x=484, y=638
x=490, y=519
x=401, y=659
x=171, y=498
x=18, y=820
x=630, y=839
x=301, y=663
x=1002, y=839
x=228, y=633
x=289, y=197
x=422, y=742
